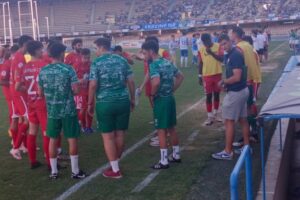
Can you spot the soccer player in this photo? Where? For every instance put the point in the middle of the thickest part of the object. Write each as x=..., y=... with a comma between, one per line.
x=109, y=78
x=4, y=77
x=119, y=50
x=74, y=56
x=83, y=71
x=184, y=49
x=210, y=74
x=165, y=80
x=37, y=111
x=58, y=83
x=261, y=44
x=235, y=102
x=195, y=49
x=172, y=49
x=19, y=96
x=147, y=81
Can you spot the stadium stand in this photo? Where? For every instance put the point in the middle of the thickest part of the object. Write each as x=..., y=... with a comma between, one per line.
x=84, y=16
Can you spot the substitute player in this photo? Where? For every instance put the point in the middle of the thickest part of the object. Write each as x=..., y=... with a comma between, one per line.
x=165, y=80
x=37, y=111
x=147, y=81
x=110, y=79
x=58, y=83
x=19, y=96
x=210, y=73
x=184, y=49
x=83, y=71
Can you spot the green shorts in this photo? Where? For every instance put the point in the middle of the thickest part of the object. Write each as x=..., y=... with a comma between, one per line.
x=69, y=125
x=113, y=116
x=164, y=112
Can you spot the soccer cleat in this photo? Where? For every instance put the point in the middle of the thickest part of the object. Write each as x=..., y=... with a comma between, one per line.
x=81, y=175
x=154, y=143
x=159, y=166
x=53, y=176
x=174, y=160
x=209, y=121
x=16, y=154
x=223, y=156
x=153, y=139
x=35, y=165
x=23, y=149
x=109, y=173
x=88, y=131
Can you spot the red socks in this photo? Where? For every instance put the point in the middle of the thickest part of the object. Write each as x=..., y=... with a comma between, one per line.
x=14, y=135
x=31, y=146
x=209, y=107
x=22, y=129
x=216, y=105
x=82, y=119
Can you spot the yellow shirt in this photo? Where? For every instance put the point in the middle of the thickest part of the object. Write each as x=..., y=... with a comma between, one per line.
x=211, y=66
x=253, y=68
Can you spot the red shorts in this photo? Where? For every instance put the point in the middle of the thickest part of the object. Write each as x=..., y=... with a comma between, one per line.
x=19, y=107
x=38, y=116
x=211, y=83
x=148, y=89
x=81, y=101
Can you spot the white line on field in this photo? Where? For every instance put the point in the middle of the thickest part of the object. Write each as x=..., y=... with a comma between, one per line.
x=278, y=47
x=142, y=185
x=100, y=170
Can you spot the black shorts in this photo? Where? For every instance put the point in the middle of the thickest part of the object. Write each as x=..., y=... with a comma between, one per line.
x=260, y=51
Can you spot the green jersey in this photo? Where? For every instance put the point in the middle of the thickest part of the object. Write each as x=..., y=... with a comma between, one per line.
x=56, y=80
x=111, y=73
x=166, y=71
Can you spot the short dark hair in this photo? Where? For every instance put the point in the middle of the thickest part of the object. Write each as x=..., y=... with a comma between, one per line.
x=14, y=48
x=224, y=37
x=85, y=52
x=56, y=50
x=153, y=38
x=24, y=39
x=76, y=41
x=118, y=48
x=238, y=31
x=103, y=42
x=248, y=39
x=151, y=45
x=205, y=37
x=32, y=46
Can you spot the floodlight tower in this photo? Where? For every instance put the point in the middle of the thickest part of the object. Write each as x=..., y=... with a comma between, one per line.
x=6, y=22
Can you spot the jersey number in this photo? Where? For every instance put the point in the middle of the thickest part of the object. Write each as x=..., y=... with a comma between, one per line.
x=32, y=80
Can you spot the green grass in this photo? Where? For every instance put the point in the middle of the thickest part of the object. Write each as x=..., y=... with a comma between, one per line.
x=18, y=182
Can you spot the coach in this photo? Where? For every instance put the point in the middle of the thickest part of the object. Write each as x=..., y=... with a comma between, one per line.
x=235, y=101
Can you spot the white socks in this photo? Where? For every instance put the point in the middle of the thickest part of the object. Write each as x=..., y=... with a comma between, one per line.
x=74, y=164
x=115, y=166
x=210, y=115
x=164, y=156
x=53, y=164
x=186, y=61
x=176, y=152
x=181, y=61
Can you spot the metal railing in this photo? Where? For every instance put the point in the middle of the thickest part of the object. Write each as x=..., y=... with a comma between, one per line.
x=245, y=157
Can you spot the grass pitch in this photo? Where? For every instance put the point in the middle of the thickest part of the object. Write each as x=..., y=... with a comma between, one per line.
x=198, y=177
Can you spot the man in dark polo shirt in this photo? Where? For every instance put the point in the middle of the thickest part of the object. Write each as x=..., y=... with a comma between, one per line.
x=235, y=102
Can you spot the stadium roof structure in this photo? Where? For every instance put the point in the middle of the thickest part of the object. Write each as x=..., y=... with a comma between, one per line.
x=284, y=101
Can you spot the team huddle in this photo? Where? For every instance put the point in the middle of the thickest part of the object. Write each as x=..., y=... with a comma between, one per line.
x=60, y=93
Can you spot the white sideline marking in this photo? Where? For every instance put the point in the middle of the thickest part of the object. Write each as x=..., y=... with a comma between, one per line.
x=278, y=47
x=100, y=170
x=153, y=175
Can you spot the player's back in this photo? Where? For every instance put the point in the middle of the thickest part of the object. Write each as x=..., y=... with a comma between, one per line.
x=183, y=42
x=56, y=81
x=30, y=76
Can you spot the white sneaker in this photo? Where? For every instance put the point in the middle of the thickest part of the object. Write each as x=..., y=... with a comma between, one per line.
x=218, y=118
x=16, y=154
x=154, y=139
x=23, y=149
x=154, y=143
x=209, y=121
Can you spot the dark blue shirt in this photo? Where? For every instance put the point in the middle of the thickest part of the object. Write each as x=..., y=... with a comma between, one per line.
x=235, y=60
